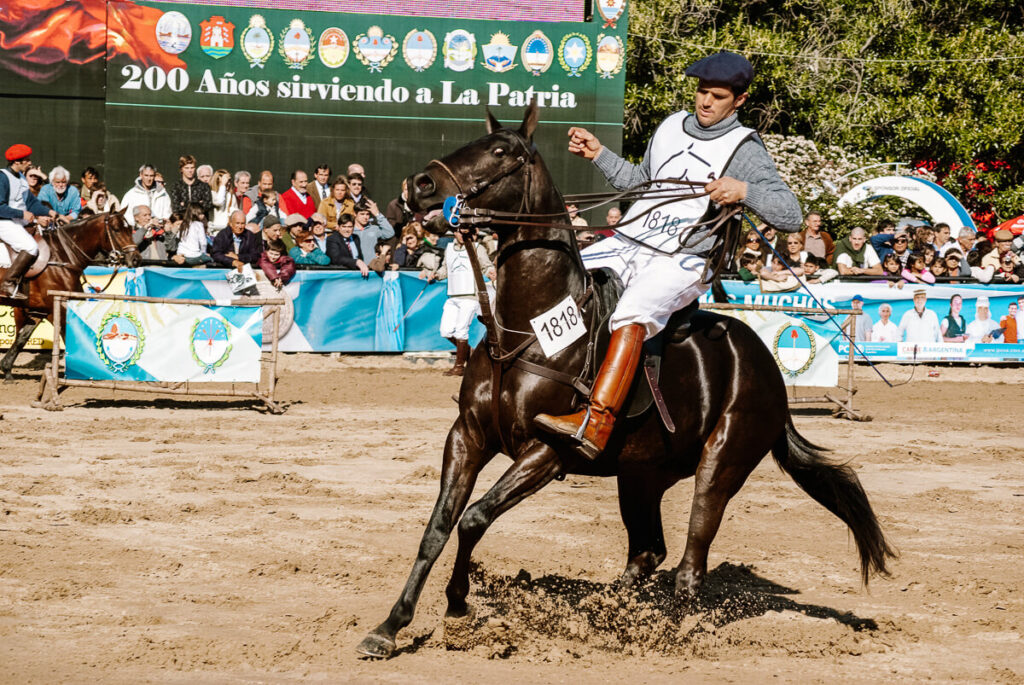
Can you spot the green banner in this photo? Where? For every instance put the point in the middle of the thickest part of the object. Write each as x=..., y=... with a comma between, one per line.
x=242, y=88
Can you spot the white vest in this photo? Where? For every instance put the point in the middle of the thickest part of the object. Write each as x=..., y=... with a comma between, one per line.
x=460, y=271
x=676, y=154
x=19, y=186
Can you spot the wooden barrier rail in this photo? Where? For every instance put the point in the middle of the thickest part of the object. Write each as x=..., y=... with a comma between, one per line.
x=52, y=383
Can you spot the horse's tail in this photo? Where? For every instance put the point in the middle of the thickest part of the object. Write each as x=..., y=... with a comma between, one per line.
x=836, y=487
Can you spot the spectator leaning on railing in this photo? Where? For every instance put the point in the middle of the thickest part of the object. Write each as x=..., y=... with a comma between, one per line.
x=854, y=257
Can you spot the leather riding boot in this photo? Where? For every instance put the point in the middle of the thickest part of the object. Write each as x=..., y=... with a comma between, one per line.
x=593, y=425
x=461, y=357
x=12, y=279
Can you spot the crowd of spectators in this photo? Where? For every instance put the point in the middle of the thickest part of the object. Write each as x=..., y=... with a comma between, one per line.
x=897, y=255
x=208, y=216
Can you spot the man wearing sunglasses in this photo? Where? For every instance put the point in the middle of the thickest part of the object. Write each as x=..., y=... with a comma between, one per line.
x=901, y=246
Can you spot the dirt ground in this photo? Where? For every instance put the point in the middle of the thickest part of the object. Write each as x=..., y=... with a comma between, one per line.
x=146, y=539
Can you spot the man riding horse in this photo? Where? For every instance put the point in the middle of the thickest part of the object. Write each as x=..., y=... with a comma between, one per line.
x=661, y=273
x=19, y=208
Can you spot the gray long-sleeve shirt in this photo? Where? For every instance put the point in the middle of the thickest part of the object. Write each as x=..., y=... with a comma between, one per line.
x=768, y=196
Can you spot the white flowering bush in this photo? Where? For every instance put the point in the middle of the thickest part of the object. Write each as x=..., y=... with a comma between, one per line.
x=820, y=174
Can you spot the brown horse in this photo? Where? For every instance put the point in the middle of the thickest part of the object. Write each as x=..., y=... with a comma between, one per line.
x=723, y=389
x=72, y=249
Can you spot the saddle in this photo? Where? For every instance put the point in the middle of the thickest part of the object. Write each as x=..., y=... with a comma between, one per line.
x=7, y=254
x=644, y=391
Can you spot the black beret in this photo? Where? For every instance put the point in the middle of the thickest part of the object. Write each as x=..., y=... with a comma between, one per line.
x=724, y=67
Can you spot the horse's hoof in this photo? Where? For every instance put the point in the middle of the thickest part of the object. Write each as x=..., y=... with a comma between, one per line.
x=456, y=610
x=375, y=646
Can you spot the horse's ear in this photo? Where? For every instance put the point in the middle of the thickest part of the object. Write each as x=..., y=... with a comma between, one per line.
x=529, y=121
x=121, y=211
x=492, y=122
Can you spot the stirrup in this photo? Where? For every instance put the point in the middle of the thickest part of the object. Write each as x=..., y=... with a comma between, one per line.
x=583, y=426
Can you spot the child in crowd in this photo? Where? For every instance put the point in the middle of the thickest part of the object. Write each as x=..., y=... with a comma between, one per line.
x=306, y=250
x=817, y=271
x=382, y=260
x=265, y=205
x=194, y=242
x=750, y=266
x=779, y=278
x=938, y=268
x=916, y=271
x=892, y=271
x=278, y=267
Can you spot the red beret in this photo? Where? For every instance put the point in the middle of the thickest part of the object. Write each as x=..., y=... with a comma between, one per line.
x=18, y=151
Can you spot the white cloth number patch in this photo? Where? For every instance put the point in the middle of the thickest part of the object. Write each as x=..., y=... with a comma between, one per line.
x=559, y=327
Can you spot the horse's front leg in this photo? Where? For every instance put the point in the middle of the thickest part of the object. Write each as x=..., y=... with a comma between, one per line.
x=534, y=469
x=465, y=454
x=25, y=325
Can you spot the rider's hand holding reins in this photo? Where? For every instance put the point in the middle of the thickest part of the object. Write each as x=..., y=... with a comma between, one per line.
x=726, y=191
x=583, y=143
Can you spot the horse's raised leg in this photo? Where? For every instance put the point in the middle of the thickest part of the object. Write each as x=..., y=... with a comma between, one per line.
x=465, y=454
x=25, y=324
x=534, y=469
x=729, y=456
x=640, y=494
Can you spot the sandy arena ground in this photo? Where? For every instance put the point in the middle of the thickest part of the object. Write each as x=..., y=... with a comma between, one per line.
x=153, y=540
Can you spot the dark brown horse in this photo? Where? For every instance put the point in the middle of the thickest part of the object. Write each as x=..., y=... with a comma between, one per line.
x=72, y=249
x=723, y=389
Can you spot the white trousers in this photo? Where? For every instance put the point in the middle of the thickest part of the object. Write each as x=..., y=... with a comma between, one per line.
x=457, y=316
x=657, y=285
x=15, y=235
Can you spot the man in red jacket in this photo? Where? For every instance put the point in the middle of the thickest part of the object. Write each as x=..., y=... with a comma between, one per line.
x=296, y=200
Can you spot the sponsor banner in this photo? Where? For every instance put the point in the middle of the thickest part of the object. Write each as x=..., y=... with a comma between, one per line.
x=142, y=341
x=802, y=349
x=902, y=347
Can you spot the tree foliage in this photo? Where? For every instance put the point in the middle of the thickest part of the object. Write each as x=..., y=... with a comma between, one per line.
x=893, y=80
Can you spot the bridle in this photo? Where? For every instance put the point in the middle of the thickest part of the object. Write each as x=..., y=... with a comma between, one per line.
x=116, y=257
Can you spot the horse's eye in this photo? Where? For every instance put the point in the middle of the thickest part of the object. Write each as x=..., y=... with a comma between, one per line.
x=498, y=152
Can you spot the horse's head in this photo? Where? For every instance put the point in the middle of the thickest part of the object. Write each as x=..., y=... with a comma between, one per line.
x=117, y=239
x=487, y=173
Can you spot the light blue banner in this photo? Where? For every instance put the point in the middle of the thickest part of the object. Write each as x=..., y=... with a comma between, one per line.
x=331, y=311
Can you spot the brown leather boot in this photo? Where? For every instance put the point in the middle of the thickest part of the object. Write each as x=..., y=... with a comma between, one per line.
x=12, y=279
x=593, y=426
x=461, y=357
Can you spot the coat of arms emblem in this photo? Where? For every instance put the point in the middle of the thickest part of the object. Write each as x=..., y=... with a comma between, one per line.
x=296, y=45
x=459, y=50
x=211, y=343
x=499, y=54
x=333, y=47
x=537, y=53
x=610, y=55
x=419, y=49
x=374, y=49
x=574, y=54
x=119, y=341
x=217, y=37
x=257, y=42
x=173, y=33
x=610, y=11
